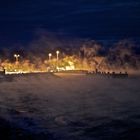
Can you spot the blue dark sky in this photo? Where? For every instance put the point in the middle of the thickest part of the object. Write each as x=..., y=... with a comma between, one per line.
x=21, y=19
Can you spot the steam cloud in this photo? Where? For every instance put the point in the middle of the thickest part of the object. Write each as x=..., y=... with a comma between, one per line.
x=88, y=54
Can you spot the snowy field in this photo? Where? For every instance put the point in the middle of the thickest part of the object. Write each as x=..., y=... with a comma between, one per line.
x=69, y=107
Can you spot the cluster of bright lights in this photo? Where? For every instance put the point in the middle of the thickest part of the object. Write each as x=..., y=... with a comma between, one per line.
x=51, y=64
x=57, y=55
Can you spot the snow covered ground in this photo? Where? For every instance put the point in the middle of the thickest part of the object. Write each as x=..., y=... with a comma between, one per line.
x=69, y=107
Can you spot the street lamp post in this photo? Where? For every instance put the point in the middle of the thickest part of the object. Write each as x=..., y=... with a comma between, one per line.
x=16, y=57
x=57, y=58
x=57, y=55
x=50, y=55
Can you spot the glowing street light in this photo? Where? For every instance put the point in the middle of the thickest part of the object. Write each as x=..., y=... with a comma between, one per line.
x=57, y=55
x=17, y=57
x=50, y=55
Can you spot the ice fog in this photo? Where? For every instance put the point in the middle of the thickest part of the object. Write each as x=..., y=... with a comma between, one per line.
x=72, y=107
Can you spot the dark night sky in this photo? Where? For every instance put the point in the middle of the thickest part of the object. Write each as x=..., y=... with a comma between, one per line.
x=21, y=19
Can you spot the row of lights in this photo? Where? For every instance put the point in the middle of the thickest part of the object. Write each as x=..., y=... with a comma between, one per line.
x=50, y=55
x=57, y=55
